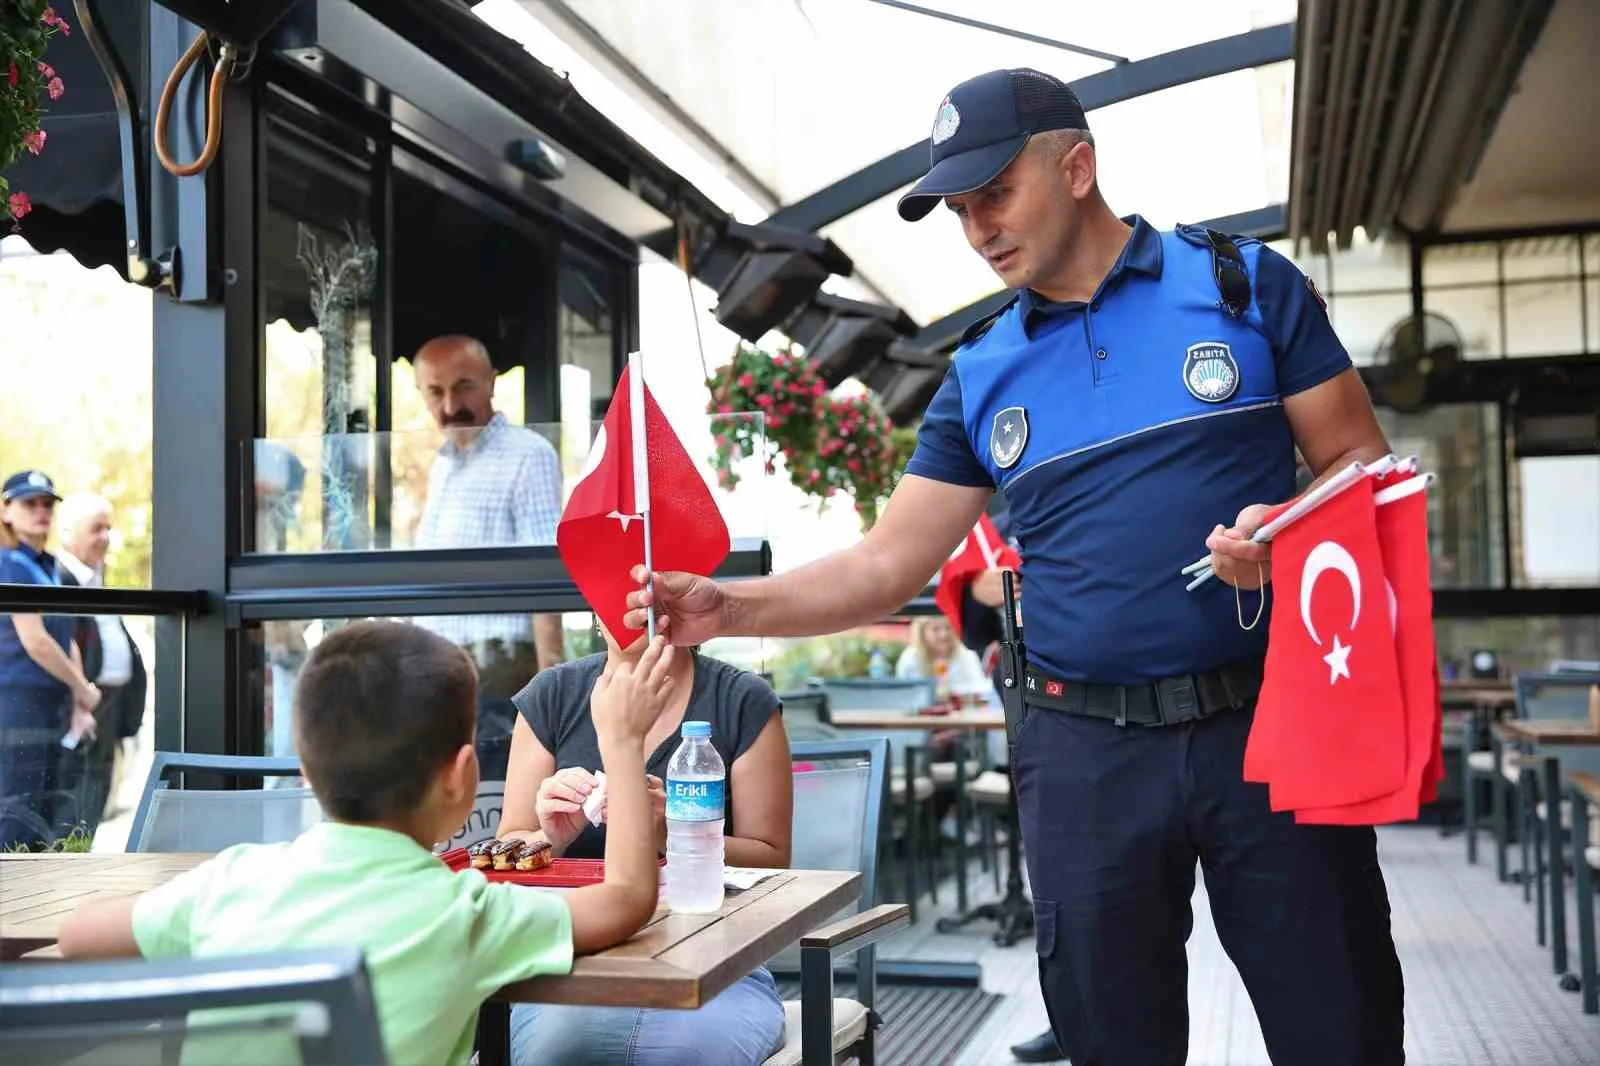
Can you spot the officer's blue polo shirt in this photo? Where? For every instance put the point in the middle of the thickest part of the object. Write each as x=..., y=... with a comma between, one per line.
x=1121, y=432
x=24, y=566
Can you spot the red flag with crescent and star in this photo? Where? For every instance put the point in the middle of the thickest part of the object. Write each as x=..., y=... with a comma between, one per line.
x=601, y=532
x=1330, y=709
x=982, y=549
x=1401, y=505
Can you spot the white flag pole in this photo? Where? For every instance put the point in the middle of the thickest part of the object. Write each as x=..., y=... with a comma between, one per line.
x=641, y=473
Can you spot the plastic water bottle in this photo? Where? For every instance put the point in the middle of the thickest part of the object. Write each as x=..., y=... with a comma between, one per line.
x=878, y=665
x=696, y=787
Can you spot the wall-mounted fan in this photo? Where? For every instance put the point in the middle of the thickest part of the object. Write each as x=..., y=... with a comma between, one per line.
x=1417, y=350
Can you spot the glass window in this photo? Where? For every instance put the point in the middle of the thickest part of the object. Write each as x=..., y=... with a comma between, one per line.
x=1313, y=264
x=1365, y=322
x=1542, y=258
x=1544, y=318
x=501, y=646
x=1475, y=312
x=1591, y=315
x=586, y=324
x=1368, y=266
x=71, y=780
x=1459, y=264
x=1460, y=444
x=1520, y=644
x=1559, y=512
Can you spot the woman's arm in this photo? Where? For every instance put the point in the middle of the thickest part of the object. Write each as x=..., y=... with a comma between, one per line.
x=762, y=798
x=43, y=649
x=526, y=768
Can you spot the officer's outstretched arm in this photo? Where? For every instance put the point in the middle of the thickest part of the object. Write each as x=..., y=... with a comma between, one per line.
x=921, y=525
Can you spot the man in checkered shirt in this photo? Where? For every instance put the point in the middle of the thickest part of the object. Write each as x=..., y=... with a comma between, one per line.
x=492, y=483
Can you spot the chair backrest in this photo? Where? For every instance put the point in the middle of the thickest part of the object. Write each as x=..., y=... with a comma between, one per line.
x=839, y=787
x=805, y=715
x=199, y=820
x=1575, y=666
x=877, y=694
x=1554, y=695
x=314, y=1008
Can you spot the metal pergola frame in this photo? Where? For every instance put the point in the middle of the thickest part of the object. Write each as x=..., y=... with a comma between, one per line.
x=207, y=333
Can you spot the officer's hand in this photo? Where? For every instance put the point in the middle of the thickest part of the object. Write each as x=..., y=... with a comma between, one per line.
x=1237, y=559
x=689, y=609
x=988, y=588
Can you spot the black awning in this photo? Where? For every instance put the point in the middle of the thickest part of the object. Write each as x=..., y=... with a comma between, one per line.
x=76, y=183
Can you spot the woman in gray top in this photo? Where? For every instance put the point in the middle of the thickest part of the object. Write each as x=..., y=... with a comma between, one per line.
x=553, y=753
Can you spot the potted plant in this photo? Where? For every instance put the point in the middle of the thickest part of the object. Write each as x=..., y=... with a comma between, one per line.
x=26, y=27
x=829, y=444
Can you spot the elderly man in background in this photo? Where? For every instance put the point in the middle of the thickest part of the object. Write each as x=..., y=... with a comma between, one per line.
x=111, y=661
x=492, y=484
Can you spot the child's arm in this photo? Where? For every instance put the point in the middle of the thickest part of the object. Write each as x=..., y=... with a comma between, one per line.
x=102, y=929
x=625, y=703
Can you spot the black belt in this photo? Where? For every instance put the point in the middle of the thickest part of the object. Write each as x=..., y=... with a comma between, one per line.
x=1169, y=701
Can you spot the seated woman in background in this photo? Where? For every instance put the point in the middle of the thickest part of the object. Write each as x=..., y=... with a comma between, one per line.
x=935, y=653
x=548, y=777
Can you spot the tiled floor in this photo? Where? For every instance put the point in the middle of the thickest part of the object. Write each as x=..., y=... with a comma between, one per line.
x=1479, y=989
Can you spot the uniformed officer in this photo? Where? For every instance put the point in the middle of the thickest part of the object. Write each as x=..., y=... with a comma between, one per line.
x=1142, y=395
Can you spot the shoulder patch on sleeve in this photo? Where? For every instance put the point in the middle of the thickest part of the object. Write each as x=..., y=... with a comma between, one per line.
x=980, y=327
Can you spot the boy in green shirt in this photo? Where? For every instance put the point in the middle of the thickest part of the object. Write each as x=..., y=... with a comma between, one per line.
x=384, y=723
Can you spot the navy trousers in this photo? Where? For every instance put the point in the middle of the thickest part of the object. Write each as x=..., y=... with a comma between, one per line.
x=1114, y=820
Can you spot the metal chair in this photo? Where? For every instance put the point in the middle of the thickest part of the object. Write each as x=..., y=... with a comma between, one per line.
x=202, y=820
x=838, y=814
x=805, y=715
x=312, y=1008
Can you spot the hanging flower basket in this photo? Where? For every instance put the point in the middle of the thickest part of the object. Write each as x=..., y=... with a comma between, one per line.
x=828, y=444
x=26, y=27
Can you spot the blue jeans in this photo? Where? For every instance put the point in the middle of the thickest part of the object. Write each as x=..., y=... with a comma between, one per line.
x=741, y=1027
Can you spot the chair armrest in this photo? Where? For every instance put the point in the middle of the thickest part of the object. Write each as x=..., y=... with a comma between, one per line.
x=858, y=930
x=856, y=933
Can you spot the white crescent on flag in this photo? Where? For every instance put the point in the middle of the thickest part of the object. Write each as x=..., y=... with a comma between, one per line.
x=1330, y=555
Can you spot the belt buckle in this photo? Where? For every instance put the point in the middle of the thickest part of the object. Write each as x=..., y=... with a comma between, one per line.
x=1177, y=700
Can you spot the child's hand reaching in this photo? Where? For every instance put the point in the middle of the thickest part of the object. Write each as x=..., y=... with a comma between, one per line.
x=627, y=699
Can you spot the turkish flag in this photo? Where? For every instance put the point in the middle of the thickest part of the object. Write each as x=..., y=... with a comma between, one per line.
x=982, y=549
x=1402, y=523
x=601, y=532
x=1330, y=713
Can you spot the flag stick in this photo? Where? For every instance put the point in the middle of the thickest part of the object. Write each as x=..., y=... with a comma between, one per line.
x=641, y=474
x=1297, y=510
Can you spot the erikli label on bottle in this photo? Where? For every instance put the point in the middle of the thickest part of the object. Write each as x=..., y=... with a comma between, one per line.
x=695, y=801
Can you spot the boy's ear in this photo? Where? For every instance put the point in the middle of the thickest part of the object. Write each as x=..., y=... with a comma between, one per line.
x=460, y=776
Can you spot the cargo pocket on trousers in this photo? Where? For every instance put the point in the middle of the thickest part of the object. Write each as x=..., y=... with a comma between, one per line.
x=1044, y=927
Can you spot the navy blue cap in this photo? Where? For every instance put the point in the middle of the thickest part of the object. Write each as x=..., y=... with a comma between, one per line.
x=983, y=125
x=27, y=484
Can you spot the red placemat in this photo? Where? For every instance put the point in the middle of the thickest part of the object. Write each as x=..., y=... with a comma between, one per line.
x=561, y=873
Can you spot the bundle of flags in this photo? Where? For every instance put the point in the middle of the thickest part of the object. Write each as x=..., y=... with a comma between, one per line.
x=1347, y=726
x=982, y=549
x=639, y=499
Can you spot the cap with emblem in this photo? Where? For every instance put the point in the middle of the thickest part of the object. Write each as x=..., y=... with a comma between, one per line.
x=27, y=485
x=983, y=125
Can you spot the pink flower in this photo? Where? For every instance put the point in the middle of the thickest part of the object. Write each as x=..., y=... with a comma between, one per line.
x=19, y=205
x=55, y=88
x=34, y=142
x=763, y=400
x=746, y=381
x=724, y=408
x=11, y=76
x=818, y=388
x=50, y=18
x=46, y=71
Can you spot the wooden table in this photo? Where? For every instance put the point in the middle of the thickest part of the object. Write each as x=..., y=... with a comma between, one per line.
x=677, y=960
x=1573, y=731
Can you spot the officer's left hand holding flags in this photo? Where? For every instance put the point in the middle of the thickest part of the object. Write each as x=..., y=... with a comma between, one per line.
x=1346, y=728
x=639, y=499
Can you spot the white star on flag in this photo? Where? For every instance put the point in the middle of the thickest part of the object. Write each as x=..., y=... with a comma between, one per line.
x=624, y=518
x=1338, y=660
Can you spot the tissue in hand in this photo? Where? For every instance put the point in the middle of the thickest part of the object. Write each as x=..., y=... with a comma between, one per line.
x=594, y=806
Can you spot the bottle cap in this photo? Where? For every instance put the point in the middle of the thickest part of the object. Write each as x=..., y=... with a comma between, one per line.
x=696, y=729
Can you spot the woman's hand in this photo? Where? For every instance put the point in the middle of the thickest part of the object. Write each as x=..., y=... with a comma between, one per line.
x=559, y=805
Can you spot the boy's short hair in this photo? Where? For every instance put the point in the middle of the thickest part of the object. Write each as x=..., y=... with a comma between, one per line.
x=378, y=709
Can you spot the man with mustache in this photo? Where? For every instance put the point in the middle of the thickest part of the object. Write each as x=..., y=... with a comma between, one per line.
x=1143, y=394
x=492, y=483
